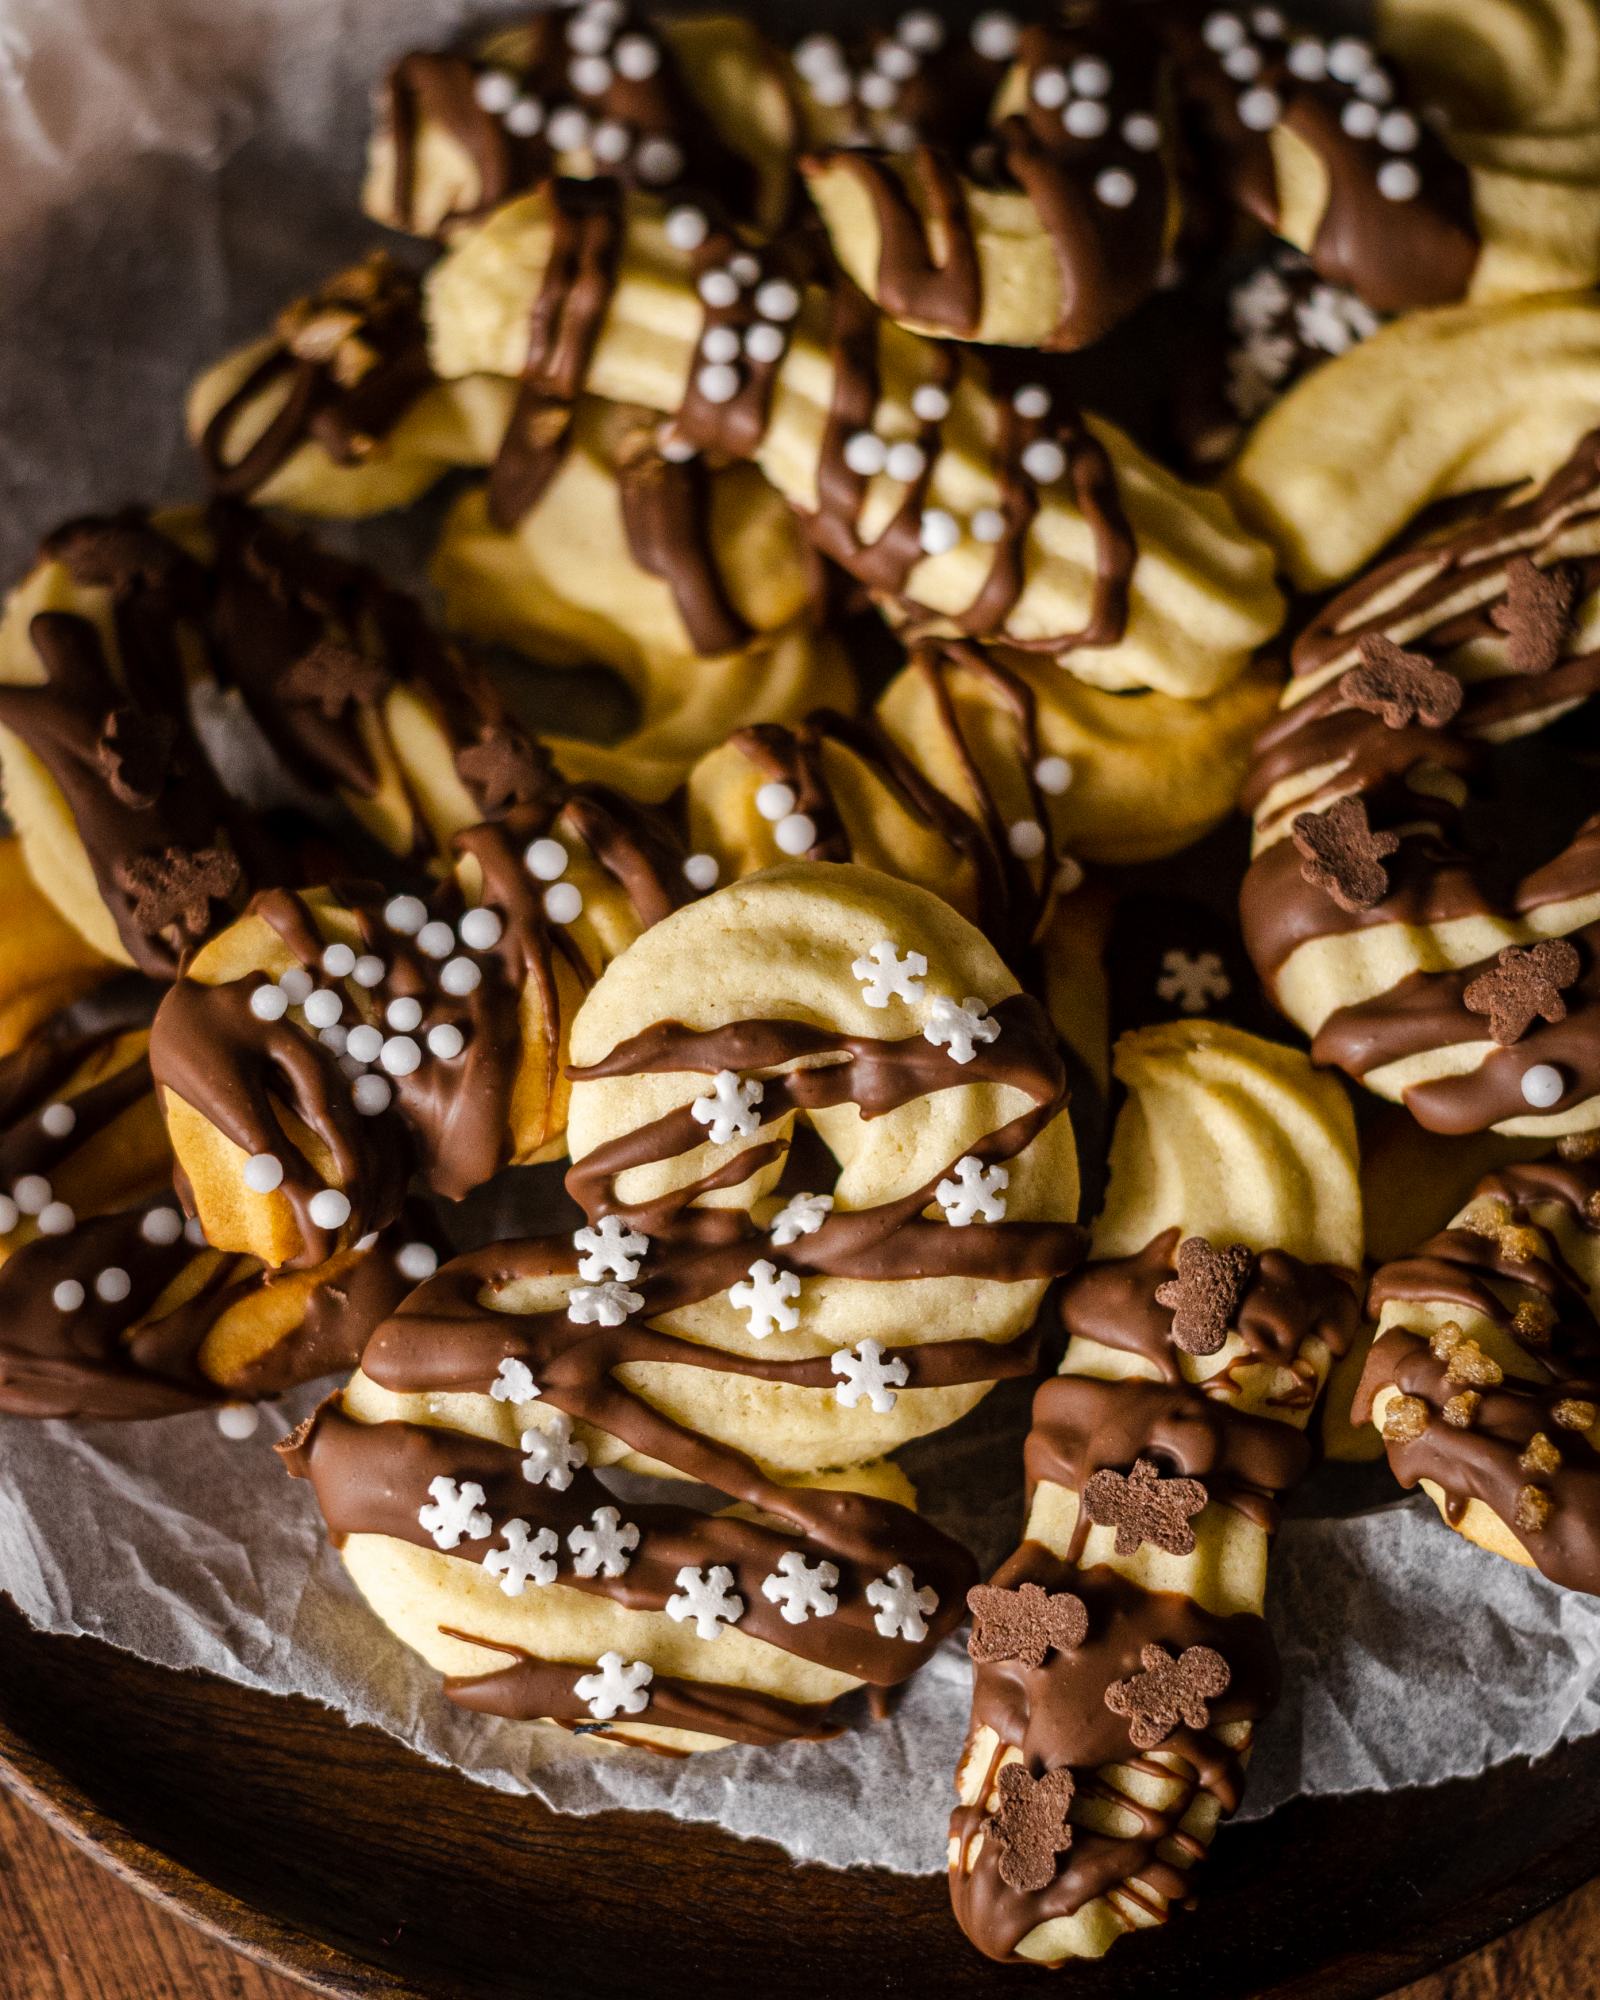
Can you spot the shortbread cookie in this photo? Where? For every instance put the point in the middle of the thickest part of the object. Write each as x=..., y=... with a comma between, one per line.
x=1123, y=1663
x=1484, y=1382
x=328, y=1045
x=336, y=410
x=1434, y=407
x=1456, y=972
x=961, y=512
x=694, y=102
x=45, y=964
x=868, y=1010
x=122, y=823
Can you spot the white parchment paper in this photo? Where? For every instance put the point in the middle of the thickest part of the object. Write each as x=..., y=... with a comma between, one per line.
x=172, y=171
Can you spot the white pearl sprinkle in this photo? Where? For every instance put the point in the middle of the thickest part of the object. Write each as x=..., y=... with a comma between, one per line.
x=1141, y=131
x=1026, y=839
x=194, y=1232
x=263, y=1172
x=1374, y=85
x=1085, y=118
x=721, y=343
x=446, y=1041
x=57, y=1120
x=589, y=33
x=658, y=161
x=896, y=60
x=495, y=91
x=930, y=403
x=877, y=91
x=113, y=1285
x=329, y=1208
x=480, y=930
x=10, y=1215
x=686, y=228
x=349, y=1067
x=403, y=1014
x=1349, y=58
x=718, y=383
x=400, y=1055
x=238, y=1421
x=865, y=454
x=1268, y=21
x=67, y=1296
x=334, y=1038
x=1044, y=461
x=416, y=1261
x=563, y=903
x=995, y=35
x=700, y=871
x=611, y=143
x=1222, y=32
x=817, y=55
x=365, y=1043
x=764, y=342
x=525, y=117
x=777, y=299
x=939, y=531
x=1398, y=131
x=831, y=89
x=675, y=450
x=405, y=914
x=988, y=526
x=775, y=800
x=460, y=977
x=296, y=983
x=745, y=268
x=920, y=29
x=368, y=970
x=338, y=961
x=1049, y=88
x=371, y=1095
x=161, y=1227
x=1308, y=60
x=905, y=461
x=436, y=939
x=569, y=129
x=56, y=1219
x=30, y=1192
x=1259, y=110
x=1116, y=187
x=1359, y=118
x=636, y=58
x=1091, y=76
x=1542, y=1086
x=546, y=859
x=795, y=833
x=1053, y=775
x=323, y=1007
x=590, y=75
x=1398, y=180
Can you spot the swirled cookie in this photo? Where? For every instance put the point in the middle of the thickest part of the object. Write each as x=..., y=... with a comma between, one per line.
x=44, y=963
x=1484, y=1381
x=960, y=511
x=1427, y=916
x=1123, y=1663
x=693, y=102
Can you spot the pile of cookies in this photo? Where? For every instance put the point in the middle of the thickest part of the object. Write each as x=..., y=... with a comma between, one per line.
x=761, y=377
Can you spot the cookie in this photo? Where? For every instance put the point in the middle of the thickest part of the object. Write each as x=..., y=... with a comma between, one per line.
x=44, y=963
x=1123, y=1663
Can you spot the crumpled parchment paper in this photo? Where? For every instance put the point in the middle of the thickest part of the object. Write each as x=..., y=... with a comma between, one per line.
x=174, y=170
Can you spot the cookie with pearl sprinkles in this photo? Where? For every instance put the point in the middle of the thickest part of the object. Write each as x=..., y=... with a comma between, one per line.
x=1123, y=1665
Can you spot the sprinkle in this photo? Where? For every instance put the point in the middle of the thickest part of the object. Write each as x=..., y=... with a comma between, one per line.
x=764, y=342
x=1044, y=461
x=658, y=161
x=1575, y=1413
x=238, y=1421
x=590, y=75
x=569, y=129
x=1144, y=1507
x=636, y=57
x=777, y=299
x=721, y=344
x=940, y=531
x=263, y=1172
x=864, y=1371
x=404, y=914
x=1398, y=180
x=368, y=970
x=764, y=1295
x=900, y=1609
x=1342, y=854
x=338, y=961
x=457, y=1511
x=701, y=871
x=1206, y=1293
x=30, y=1193
x=371, y=1095
x=1053, y=775
x=1259, y=110
x=905, y=461
x=1308, y=60
x=988, y=525
x=1222, y=32
x=930, y=403
x=1533, y=1511
x=865, y=454
x=416, y=1261
x=795, y=833
x=959, y=1027
x=611, y=143
x=10, y=1215
x=817, y=55
x=1268, y=21
x=296, y=983
x=686, y=228
x=1085, y=118
x=775, y=800
x=334, y=1039
x=617, y=1684
x=831, y=90
x=404, y=1014
x=1026, y=839
x=460, y=977
x=1543, y=1086
x=1049, y=88
x=546, y=859
x=885, y=976
x=995, y=34
x=1030, y=1828
x=57, y=1120
x=1399, y=131
x=1024, y=1624
x=563, y=903
x=323, y=1007
x=1359, y=118
x=920, y=29
x=1525, y=985
x=717, y=383
x=436, y=939
x=495, y=91
x=974, y=1193
x=400, y=1056
x=446, y=1041
x=1348, y=59
x=480, y=930
x=67, y=1296
x=162, y=1226
x=1243, y=64
x=877, y=91
x=194, y=1232
x=1141, y=131
x=896, y=60
x=329, y=1208
x=1168, y=1692
x=1375, y=86
x=1091, y=76
x=589, y=32
x=675, y=450
x=728, y=1111
x=525, y=117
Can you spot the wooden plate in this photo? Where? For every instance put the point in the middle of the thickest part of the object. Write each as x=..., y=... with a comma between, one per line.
x=335, y=1855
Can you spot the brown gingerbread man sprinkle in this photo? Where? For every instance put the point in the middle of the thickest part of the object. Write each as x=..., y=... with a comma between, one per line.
x=178, y=886
x=1206, y=1294
x=1340, y=852
x=1144, y=1507
x=1405, y=1420
x=503, y=769
x=1031, y=1826
x=333, y=677
x=1168, y=1692
x=1525, y=986
x=1400, y=687
x=1536, y=614
x=1023, y=1624
x=135, y=755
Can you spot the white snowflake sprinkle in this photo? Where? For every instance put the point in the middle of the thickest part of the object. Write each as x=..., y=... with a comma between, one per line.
x=959, y=1028
x=1333, y=320
x=457, y=1511
x=513, y=1382
x=526, y=1558
x=864, y=1372
x=885, y=976
x=801, y=1590
x=1259, y=302
x=975, y=1193
x=801, y=1215
x=764, y=1295
x=901, y=1609
x=607, y=1304
x=730, y=1110
x=617, y=1686
x=552, y=1455
x=708, y=1597
x=605, y=1547
x=610, y=1249
x=1193, y=981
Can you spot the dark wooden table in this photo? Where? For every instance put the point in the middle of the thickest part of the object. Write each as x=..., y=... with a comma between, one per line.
x=70, y=1931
